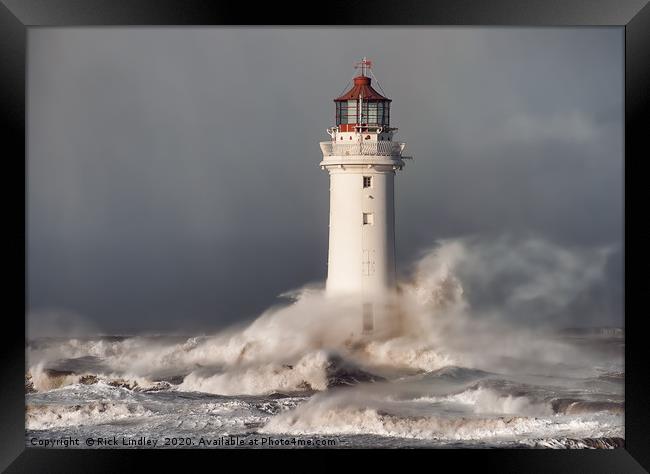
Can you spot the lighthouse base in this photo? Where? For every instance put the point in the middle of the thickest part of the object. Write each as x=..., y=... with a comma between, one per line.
x=372, y=318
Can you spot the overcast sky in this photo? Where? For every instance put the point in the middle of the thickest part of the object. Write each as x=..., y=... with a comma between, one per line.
x=173, y=179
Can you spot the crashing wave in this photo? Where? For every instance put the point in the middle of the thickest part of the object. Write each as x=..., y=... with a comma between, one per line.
x=41, y=417
x=310, y=420
x=449, y=374
x=495, y=396
x=571, y=406
x=40, y=379
x=315, y=371
x=488, y=401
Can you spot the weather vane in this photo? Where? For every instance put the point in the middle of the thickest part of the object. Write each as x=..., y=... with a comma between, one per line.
x=363, y=64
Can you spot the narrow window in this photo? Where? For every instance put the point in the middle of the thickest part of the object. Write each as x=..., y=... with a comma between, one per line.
x=368, y=218
x=368, y=262
x=367, y=181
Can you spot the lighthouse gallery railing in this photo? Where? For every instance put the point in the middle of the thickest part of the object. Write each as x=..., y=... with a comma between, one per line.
x=355, y=149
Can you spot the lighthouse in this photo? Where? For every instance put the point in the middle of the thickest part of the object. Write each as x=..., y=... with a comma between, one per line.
x=362, y=159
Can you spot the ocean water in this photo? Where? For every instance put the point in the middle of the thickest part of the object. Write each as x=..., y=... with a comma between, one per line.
x=442, y=371
x=325, y=399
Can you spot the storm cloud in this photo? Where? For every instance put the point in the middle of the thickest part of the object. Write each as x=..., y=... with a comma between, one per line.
x=173, y=180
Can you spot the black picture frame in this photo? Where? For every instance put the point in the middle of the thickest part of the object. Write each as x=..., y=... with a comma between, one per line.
x=17, y=16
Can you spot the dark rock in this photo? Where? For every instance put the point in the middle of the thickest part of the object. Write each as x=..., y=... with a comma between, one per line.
x=156, y=387
x=123, y=384
x=172, y=379
x=88, y=379
x=29, y=384
x=341, y=373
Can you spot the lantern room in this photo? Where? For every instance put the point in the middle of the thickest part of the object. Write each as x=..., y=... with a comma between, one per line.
x=362, y=107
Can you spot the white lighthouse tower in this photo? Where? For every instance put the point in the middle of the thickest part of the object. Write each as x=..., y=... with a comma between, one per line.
x=362, y=159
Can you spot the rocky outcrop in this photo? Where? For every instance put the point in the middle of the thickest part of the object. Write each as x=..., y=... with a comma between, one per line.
x=121, y=383
x=172, y=379
x=342, y=373
x=29, y=384
x=88, y=379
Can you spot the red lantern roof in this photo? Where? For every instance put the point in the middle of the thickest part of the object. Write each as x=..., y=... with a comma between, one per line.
x=361, y=88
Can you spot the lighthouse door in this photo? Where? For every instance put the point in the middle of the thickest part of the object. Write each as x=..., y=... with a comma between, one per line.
x=368, y=323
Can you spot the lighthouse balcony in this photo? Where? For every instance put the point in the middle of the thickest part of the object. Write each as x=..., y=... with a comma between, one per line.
x=381, y=148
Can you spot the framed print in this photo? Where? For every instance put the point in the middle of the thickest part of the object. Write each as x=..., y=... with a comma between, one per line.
x=375, y=228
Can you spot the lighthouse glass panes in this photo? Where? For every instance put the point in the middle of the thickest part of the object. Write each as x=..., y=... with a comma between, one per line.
x=352, y=111
x=374, y=113
x=346, y=112
x=371, y=112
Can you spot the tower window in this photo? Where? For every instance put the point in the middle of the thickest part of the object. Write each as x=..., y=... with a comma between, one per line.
x=368, y=218
x=368, y=262
x=367, y=181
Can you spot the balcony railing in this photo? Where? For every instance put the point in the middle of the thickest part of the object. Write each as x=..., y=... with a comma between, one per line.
x=354, y=149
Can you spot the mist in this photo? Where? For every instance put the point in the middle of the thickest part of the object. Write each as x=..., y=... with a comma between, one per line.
x=290, y=345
